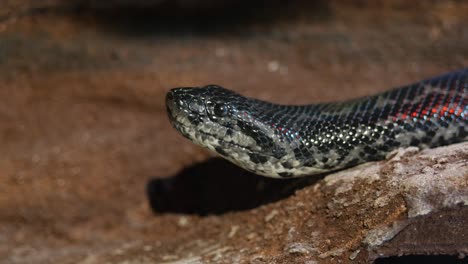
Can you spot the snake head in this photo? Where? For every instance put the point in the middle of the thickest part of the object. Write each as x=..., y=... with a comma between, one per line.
x=205, y=115
x=224, y=122
x=191, y=106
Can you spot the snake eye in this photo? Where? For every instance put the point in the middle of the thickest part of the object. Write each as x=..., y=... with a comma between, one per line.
x=220, y=110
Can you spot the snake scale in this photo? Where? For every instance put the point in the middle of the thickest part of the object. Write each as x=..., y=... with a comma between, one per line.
x=285, y=141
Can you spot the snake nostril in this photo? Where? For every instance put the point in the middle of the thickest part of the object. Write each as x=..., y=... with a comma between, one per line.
x=169, y=96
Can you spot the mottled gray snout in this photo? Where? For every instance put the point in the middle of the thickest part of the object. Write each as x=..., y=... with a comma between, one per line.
x=178, y=98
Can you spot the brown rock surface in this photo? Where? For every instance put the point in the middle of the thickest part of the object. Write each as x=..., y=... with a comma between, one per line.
x=92, y=172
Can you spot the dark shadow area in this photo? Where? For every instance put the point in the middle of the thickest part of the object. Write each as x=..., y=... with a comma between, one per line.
x=174, y=18
x=216, y=186
x=415, y=259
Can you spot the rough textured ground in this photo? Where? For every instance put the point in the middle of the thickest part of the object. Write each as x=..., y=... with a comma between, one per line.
x=92, y=172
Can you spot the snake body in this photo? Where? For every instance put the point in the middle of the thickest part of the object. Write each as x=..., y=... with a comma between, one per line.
x=297, y=140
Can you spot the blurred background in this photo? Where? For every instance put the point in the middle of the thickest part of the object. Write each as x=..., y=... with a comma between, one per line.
x=83, y=125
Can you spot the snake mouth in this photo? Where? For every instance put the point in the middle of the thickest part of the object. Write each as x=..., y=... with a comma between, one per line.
x=190, y=132
x=226, y=142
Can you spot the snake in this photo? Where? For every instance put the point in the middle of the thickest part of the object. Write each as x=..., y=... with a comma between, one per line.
x=286, y=141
